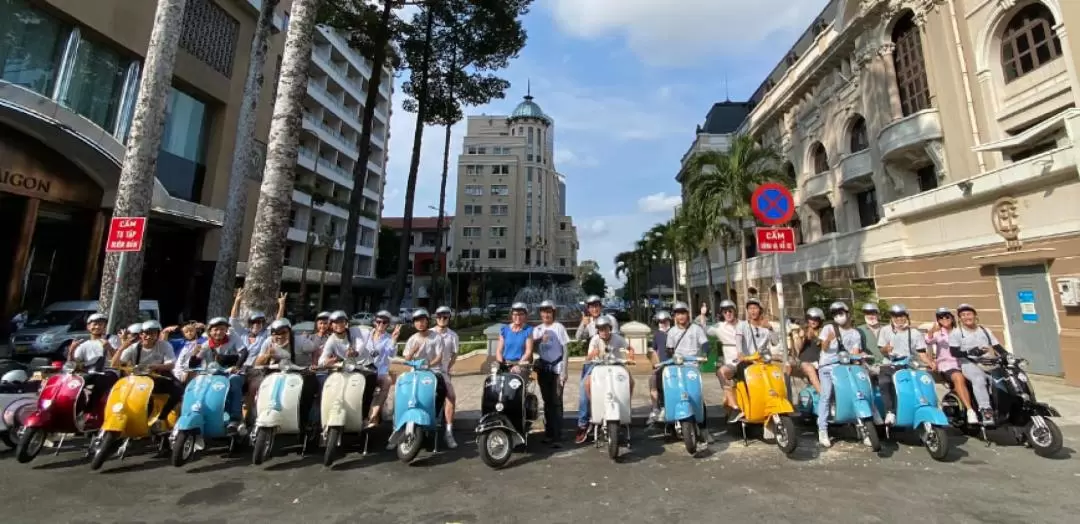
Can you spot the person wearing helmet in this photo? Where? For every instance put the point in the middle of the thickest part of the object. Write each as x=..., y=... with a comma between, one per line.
x=969, y=341
x=251, y=332
x=342, y=342
x=897, y=341
x=870, y=329
x=835, y=337
x=553, y=343
x=607, y=342
x=443, y=315
x=94, y=354
x=687, y=339
x=937, y=339
x=322, y=331
x=300, y=351
x=728, y=333
x=157, y=354
x=657, y=354
x=594, y=310
x=383, y=347
x=190, y=347
x=222, y=348
x=810, y=351
x=704, y=318
x=428, y=346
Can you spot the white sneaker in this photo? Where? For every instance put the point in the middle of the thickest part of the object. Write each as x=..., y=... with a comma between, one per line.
x=654, y=415
x=661, y=415
x=823, y=438
x=972, y=417
x=450, y=442
x=890, y=419
x=866, y=440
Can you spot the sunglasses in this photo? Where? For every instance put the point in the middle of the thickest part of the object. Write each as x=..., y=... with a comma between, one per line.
x=380, y=321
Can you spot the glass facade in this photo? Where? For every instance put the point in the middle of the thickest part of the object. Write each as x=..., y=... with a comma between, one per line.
x=96, y=83
x=30, y=46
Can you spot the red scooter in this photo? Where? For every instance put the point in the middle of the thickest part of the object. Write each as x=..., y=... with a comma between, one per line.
x=62, y=409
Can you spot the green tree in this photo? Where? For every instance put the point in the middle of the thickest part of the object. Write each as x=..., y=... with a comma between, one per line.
x=594, y=284
x=386, y=263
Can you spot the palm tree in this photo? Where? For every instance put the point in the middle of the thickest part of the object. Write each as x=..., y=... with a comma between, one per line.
x=135, y=190
x=699, y=243
x=265, y=260
x=721, y=183
x=243, y=162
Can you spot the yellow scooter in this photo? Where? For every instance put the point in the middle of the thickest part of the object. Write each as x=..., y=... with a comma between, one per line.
x=128, y=411
x=762, y=396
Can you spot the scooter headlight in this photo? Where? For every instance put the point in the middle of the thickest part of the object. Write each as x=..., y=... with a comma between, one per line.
x=46, y=403
x=1019, y=363
x=679, y=360
x=845, y=357
x=118, y=407
x=494, y=367
x=213, y=367
x=69, y=367
x=349, y=367
x=499, y=407
x=284, y=363
x=766, y=357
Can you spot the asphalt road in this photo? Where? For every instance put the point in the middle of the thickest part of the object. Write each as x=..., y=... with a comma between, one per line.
x=654, y=482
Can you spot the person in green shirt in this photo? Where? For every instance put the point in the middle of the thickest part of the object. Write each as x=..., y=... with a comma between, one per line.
x=870, y=328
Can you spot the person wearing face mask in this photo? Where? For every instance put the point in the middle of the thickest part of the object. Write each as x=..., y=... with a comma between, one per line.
x=223, y=349
x=594, y=310
x=969, y=341
x=157, y=354
x=897, y=341
x=383, y=347
x=658, y=354
x=428, y=346
x=688, y=339
x=870, y=329
x=945, y=363
x=450, y=343
x=283, y=344
x=553, y=342
x=727, y=332
x=810, y=352
x=93, y=354
x=835, y=337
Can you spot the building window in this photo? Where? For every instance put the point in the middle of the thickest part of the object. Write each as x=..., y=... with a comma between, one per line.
x=427, y=238
x=472, y=170
x=562, y=262
x=97, y=79
x=181, y=164
x=530, y=135
x=562, y=226
x=498, y=232
x=31, y=45
x=469, y=253
x=828, y=220
x=500, y=170
x=859, y=141
x=476, y=150
x=470, y=232
x=1029, y=42
x=796, y=225
x=820, y=158
x=500, y=190
x=497, y=254
x=910, y=67
x=474, y=190
x=927, y=178
x=500, y=210
x=474, y=209
x=868, y=209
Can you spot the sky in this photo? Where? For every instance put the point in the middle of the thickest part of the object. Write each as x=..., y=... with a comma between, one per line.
x=626, y=82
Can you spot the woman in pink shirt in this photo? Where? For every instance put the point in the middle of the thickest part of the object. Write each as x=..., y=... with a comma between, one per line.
x=945, y=363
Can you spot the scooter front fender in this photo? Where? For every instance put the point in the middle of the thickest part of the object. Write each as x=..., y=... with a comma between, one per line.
x=494, y=421
x=115, y=422
x=269, y=418
x=933, y=415
x=190, y=421
x=778, y=406
x=413, y=416
x=1045, y=410
x=863, y=409
x=39, y=419
x=334, y=415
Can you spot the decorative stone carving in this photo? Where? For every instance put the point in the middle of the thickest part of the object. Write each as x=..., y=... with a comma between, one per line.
x=1005, y=5
x=886, y=50
x=1005, y=216
x=935, y=149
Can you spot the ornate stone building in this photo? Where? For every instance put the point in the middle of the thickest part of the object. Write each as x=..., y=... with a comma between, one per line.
x=934, y=147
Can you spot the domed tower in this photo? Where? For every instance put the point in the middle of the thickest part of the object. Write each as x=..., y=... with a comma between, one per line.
x=529, y=122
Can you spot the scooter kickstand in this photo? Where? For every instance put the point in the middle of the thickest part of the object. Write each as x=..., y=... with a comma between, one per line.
x=982, y=430
x=746, y=441
x=60, y=444
x=367, y=437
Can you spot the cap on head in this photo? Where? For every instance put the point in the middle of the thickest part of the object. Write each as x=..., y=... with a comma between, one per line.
x=444, y=310
x=965, y=307
x=753, y=302
x=338, y=316
x=942, y=311
x=593, y=299
x=151, y=325
x=727, y=304
x=680, y=307
x=218, y=321
x=280, y=324
x=96, y=317
x=870, y=307
x=547, y=304
x=257, y=316
x=603, y=321
x=384, y=314
x=815, y=312
x=662, y=316
x=420, y=313
x=323, y=315
x=519, y=306
x=837, y=307
x=135, y=329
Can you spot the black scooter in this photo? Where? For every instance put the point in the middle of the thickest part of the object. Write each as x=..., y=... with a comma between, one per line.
x=1014, y=406
x=509, y=408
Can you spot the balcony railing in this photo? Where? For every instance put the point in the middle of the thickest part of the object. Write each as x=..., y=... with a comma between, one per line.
x=914, y=130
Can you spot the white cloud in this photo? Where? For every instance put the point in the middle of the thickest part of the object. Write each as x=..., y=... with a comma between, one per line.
x=667, y=32
x=658, y=203
x=566, y=157
x=594, y=229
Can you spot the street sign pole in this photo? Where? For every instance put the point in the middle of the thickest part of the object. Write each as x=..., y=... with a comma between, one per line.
x=125, y=237
x=120, y=267
x=774, y=206
x=778, y=281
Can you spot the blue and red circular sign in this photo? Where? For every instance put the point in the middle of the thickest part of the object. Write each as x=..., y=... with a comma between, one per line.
x=772, y=204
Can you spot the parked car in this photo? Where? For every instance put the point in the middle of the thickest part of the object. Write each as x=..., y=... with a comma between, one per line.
x=363, y=318
x=49, y=332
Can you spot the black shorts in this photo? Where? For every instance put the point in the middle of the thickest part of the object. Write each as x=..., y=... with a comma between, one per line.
x=948, y=375
x=810, y=355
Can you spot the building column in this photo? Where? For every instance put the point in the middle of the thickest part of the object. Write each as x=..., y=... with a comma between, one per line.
x=21, y=256
x=93, y=256
x=1070, y=48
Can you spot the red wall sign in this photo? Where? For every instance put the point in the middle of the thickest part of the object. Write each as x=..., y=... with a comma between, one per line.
x=126, y=234
x=775, y=240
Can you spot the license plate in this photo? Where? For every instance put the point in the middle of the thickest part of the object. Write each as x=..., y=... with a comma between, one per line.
x=22, y=349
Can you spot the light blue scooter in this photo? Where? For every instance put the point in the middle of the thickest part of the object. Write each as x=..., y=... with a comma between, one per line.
x=684, y=409
x=202, y=414
x=917, y=407
x=416, y=413
x=852, y=396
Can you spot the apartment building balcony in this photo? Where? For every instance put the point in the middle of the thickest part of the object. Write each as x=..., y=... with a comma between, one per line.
x=331, y=136
x=361, y=65
x=910, y=135
x=815, y=187
x=856, y=170
x=307, y=159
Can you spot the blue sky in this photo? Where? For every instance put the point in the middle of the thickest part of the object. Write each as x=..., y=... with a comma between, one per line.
x=626, y=82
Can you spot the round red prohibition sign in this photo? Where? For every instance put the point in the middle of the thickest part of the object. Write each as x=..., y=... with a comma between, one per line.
x=772, y=204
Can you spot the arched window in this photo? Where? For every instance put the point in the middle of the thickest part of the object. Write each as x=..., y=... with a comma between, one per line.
x=1029, y=42
x=789, y=170
x=910, y=67
x=858, y=140
x=820, y=158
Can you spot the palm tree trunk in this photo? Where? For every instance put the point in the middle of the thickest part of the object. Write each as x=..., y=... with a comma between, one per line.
x=309, y=243
x=137, y=176
x=439, y=254
x=743, y=263
x=674, y=279
x=711, y=284
x=243, y=163
x=414, y=166
x=727, y=269
x=275, y=194
x=356, y=198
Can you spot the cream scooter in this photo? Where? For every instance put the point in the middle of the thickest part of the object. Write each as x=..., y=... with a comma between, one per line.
x=610, y=402
x=346, y=398
x=278, y=407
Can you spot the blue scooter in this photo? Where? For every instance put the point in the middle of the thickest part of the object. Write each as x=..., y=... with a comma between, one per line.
x=202, y=414
x=684, y=409
x=416, y=413
x=852, y=396
x=917, y=407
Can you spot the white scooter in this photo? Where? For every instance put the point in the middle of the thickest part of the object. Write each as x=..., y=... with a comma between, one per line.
x=610, y=402
x=345, y=402
x=278, y=407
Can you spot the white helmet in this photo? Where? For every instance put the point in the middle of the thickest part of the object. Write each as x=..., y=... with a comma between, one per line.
x=602, y=321
x=151, y=325
x=593, y=299
x=281, y=323
x=338, y=316
x=420, y=313
x=662, y=316
x=135, y=329
x=15, y=376
x=444, y=310
x=547, y=304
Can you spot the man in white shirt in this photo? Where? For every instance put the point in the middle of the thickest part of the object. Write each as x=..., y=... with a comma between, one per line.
x=343, y=342
x=604, y=343
x=553, y=340
x=727, y=332
x=284, y=344
x=427, y=345
x=450, y=342
x=897, y=341
x=688, y=339
x=157, y=354
x=95, y=354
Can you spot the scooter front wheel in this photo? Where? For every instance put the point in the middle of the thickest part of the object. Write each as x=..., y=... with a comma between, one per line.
x=261, y=449
x=690, y=436
x=936, y=441
x=409, y=445
x=613, y=439
x=495, y=448
x=30, y=443
x=105, y=447
x=183, y=448
x=333, y=443
x=869, y=432
x=786, y=437
x=1045, y=440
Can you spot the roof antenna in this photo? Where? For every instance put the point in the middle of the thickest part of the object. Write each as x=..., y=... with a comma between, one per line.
x=727, y=92
x=528, y=89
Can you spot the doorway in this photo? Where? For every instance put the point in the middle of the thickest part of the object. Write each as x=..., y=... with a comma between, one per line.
x=1029, y=317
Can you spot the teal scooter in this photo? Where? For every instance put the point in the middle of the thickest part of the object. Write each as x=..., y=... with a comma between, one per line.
x=917, y=407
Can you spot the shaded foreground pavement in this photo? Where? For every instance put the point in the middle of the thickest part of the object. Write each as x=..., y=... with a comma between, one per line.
x=655, y=481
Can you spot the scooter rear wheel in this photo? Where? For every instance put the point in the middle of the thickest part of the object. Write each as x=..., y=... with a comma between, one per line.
x=30, y=443
x=333, y=443
x=105, y=448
